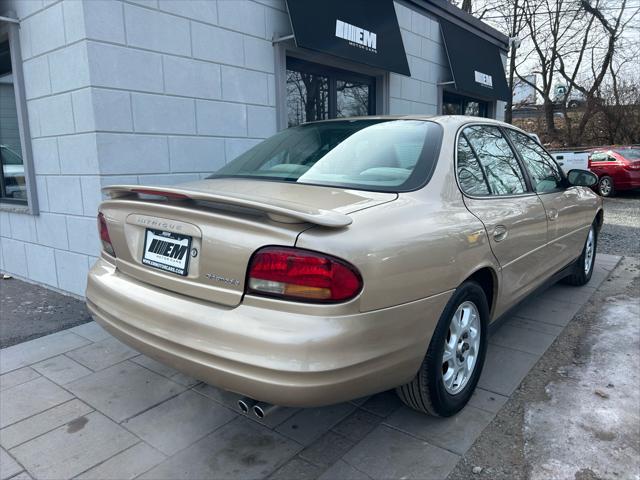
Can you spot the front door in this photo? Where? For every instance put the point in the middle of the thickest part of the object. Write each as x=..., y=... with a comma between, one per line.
x=497, y=193
x=567, y=230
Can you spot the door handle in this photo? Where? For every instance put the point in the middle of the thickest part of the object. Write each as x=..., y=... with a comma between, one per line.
x=552, y=214
x=500, y=233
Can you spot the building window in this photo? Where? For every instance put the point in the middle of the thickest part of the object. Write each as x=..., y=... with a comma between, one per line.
x=12, y=179
x=317, y=92
x=453, y=104
x=17, y=183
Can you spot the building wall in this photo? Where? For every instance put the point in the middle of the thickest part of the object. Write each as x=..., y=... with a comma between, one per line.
x=149, y=91
x=55, y=247
x=427, y=61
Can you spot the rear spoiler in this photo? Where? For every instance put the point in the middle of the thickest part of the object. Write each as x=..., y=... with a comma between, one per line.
x=278, y=211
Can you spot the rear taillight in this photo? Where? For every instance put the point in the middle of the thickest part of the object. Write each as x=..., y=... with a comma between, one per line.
x=632, y=166
x=297, y=274
x=104, y=235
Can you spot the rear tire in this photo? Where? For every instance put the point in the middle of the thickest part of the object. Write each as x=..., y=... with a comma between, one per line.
x=442, y=386
x=605, y=187
x=586, y=261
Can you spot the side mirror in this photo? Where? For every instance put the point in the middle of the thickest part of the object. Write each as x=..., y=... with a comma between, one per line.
x=582, y=178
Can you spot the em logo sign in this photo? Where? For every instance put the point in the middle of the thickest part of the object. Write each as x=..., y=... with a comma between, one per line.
x=356, y=36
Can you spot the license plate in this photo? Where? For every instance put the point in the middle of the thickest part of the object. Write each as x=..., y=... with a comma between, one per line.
x=167, y=251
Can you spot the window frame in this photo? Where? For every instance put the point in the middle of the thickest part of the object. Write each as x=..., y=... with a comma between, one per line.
x=334, y=75
x=11, y=31
x=564, y=183
x=525, y=173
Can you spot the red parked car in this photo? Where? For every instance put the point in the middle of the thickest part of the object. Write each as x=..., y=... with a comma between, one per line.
x=618, y=169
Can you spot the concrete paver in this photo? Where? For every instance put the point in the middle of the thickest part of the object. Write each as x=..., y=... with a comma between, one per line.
x=125, y=465
x=487, y=401
x=241, y=449
x=387, y=453
x=310, y=423
x=530, y=341
x=179, y=422
x=327, y=449
x=297, y=469
x=43, y=422
x=61, y=369
x=91, y=331
x=73, y=448
x=124, y=390
x=102, y=354
x=456, y=433
x=357, y=425
x=17, y=377
x=33, y=351
x=155, y=422
x=343, y=471
x=8, y=466
x=504, y=369
x=534, y=325
x=383, y=404
x=27, y=399
x=548, y=311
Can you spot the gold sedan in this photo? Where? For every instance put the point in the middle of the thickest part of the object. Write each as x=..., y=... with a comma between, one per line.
x=342, y=258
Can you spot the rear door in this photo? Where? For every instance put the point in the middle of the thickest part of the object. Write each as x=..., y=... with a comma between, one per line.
x=496, y=192
x=565, y=206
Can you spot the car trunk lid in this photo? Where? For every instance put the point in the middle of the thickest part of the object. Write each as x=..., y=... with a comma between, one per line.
x=214, y=226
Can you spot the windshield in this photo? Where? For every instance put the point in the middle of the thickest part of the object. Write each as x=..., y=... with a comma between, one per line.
x=381, y=155
x=629, y=153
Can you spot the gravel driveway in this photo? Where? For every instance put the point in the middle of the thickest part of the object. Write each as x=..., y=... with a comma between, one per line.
x=620, y=234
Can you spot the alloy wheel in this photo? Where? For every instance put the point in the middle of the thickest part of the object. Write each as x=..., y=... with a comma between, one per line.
x=588, y=251
x=605, y=187
x=461, y=348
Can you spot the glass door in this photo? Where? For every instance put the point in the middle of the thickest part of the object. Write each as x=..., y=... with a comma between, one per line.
x=318, y=92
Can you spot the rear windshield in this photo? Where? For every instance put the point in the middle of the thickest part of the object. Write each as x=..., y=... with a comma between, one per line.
x=379, y=155
x=629, y=153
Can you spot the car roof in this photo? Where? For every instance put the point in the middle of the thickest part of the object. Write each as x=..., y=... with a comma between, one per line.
x=450, y=121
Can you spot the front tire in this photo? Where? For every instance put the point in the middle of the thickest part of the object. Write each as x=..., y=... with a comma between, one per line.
x=605, y=187
x=586, y=261
x=453, y=363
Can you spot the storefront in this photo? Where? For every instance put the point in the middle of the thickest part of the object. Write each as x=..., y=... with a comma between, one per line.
x=125, y=91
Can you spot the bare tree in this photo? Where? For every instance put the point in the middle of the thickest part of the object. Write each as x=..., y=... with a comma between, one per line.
x=589, y=67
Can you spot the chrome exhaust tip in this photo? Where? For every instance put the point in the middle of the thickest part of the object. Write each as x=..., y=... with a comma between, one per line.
x=245, y=404
x=262, y=409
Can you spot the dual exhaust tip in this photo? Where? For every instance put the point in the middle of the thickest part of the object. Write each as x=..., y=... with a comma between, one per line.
x=259, y=409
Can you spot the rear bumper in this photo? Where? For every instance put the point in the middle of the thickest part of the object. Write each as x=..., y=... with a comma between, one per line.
x=276, y=356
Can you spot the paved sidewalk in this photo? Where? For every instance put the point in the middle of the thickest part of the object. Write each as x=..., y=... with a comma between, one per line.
x=78, y=403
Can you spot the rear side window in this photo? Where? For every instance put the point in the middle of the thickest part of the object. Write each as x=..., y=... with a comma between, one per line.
x=499, y=164
x=543, y=170
x=470, y=174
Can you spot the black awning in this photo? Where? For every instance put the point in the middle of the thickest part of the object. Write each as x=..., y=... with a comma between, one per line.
x=475, y=63
x=362, y=31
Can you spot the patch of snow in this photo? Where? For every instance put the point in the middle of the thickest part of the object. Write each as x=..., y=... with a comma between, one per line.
x=579, y=430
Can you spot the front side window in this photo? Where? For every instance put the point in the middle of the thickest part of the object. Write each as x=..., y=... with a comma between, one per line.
x=498, y=161
x=543, y=170
x=12, y=177
x=380, y=155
